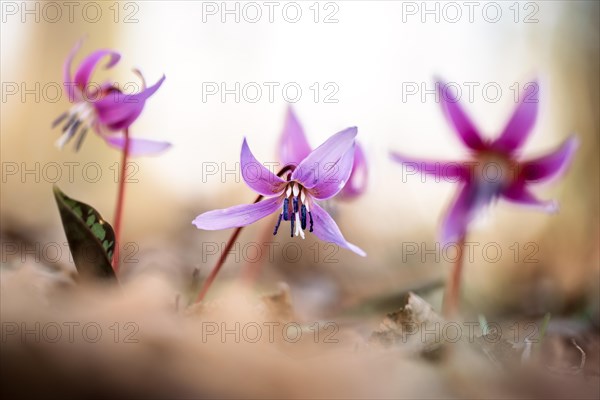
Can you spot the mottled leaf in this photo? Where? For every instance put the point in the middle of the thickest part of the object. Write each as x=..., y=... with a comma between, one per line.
x=91, y=239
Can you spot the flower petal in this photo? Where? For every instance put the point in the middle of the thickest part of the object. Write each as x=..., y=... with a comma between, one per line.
x=68, y=82
x=460, y=214
x=519, y=194
x=87, y=66
x=294, y=146
x=522, y=120
x=257, y=176
x=138, y=147
x=337, y=176
x=550, y=165
x=237, y=216
x=357, y=182
x=450, y=171
x=327, y=230
x=118, y=110
x=319, y=162
x=455, y=114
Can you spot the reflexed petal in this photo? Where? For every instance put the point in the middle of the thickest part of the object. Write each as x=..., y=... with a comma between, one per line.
x=327, y=230
x=550, y=165
x=87, y=66
x=519, y=194
x=257, y=176
x=455, y=114
x=294, y=146
x=336, y=178
x=67, y=77
x=522, y=120
x=460, y=214
x=118, y=111
x=319, y=162
x=451, y=171
x=138, y=147
x=237, y=216
x=357, y=182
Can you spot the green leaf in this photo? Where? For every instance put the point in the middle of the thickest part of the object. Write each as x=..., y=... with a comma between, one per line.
x=91, y=239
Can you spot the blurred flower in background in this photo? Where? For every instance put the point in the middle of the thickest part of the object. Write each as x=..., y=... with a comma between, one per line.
x=509, y=178
x=103, y=107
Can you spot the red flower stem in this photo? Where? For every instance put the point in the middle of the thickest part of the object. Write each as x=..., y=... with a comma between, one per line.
x=452, y=299
x=120, y=202
x=213, y=274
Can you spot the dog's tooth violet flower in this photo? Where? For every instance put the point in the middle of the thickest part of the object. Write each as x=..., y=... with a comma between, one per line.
x=496, y=169
x=319, y=175
x=104, y=108
x=294, y=147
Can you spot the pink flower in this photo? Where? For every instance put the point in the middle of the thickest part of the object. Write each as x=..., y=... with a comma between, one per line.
x=104, y=108
x=294, y=147
x=295, y=197
x=495, y=169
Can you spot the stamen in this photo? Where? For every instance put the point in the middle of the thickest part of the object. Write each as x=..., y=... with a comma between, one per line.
x=288, y=191
x=70, y=122
x=78, y=121
x=311, y=221
x=74, y=127
x=277, y=225
x=286, y=203
x=303, y=217
x=66, y=137
x=73, y=131
x=60, y=119
x=295, y=203
x=296, y=190
x=80, y=139
x=302, y=195
x=292, y=220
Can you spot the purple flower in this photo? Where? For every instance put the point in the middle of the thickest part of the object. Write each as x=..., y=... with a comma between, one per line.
x=103, y=107
x=294, y=147
x=495, y=169
x=320, y=175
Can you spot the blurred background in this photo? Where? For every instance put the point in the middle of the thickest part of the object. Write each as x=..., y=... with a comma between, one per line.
x=356, y=64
